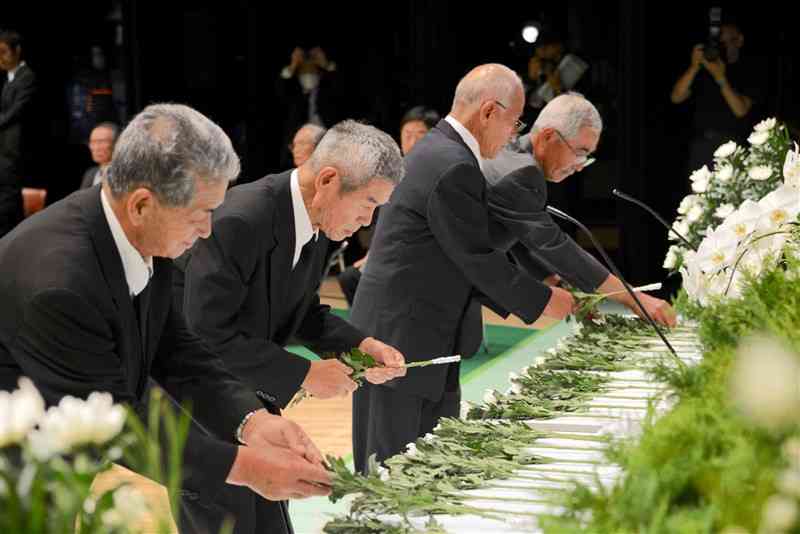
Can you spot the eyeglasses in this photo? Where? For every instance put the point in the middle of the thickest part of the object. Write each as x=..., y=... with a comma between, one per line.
x=518, y=124
x=580, y=159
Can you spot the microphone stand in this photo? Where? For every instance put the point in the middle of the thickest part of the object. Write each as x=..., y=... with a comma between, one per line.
x=561, y=215
x=619, y=194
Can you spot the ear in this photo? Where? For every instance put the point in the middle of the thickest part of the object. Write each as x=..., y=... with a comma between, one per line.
x=140, y=206
x=328, y=180
x=486, y=110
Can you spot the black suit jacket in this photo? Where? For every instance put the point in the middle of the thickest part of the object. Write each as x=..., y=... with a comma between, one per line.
x=67, y=321
x=236, y=285
x=88, y=177
x=16, y=116
x=432, y=260
x=517, y=200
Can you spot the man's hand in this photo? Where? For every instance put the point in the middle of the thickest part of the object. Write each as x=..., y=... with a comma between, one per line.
x=552, y=280
x=298, y=56
x=328, y=378
x=697, y=57
x=560, y=304
x=264, y=429
x=388, y=356
x=716, y=69
x=278, y=473
x=659, y=310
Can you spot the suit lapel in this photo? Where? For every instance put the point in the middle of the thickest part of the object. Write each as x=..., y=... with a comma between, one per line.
x=281, y=257
x=111, y=266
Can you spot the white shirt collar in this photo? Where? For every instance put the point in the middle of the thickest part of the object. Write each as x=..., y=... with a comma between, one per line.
x=303, y=230
x=468, y=138
x=137, y=270
x=13, y=73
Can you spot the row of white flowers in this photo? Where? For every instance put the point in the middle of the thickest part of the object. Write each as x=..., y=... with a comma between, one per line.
x=739, y=175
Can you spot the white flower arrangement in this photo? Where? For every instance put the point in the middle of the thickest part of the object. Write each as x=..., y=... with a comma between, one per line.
x=740, y=175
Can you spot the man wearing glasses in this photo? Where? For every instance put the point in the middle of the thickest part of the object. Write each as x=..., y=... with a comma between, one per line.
x=560, y=144
x=432, y=263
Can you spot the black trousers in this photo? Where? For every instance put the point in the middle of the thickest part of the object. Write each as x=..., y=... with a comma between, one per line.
x=250, y=513
x=11, y=213
x=386, y=420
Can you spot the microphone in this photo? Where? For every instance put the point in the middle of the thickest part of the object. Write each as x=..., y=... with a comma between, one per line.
x=651, y=211
x=561, y=215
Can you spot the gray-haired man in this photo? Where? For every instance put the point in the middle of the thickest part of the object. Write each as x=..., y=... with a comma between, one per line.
x=252, y=286
x=90, y=308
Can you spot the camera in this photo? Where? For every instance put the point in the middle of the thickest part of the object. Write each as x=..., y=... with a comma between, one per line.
x=712, y=48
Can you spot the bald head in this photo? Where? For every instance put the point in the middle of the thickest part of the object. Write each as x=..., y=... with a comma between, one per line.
x=488, y=102
x=305, y=141
x=492, y=81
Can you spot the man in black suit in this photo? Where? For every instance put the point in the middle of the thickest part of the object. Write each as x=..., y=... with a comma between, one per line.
x=562, y=139
x=432, y=263
x=253, y=285
x=86, y=287
x=15, y=125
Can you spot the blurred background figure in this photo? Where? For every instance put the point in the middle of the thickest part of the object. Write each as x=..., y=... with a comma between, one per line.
x=16, y=103
x=309, y=90
x=413, y=127
x=101, y=146
x=720, y=87
x=305, y=141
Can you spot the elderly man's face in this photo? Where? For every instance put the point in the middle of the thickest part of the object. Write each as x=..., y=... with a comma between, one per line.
x=303, y=146
x=561, y=157
x=101, y=145
x=500, y=125
x=9, y=57
x=339, y=215
x=168, y=232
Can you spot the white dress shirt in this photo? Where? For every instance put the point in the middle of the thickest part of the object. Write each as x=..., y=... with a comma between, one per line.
x=13, y=73
x=303, y=231
x=468, y=138
x=137, y=270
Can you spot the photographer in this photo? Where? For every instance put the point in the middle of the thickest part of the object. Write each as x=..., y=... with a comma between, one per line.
x=723, y=88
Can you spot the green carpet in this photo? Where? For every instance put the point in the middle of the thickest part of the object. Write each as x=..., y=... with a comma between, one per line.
x=500, y=339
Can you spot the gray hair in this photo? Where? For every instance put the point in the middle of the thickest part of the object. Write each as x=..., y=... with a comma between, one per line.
x=165, y=148
x=569, y=113
x=360, y=153
x=492, y=81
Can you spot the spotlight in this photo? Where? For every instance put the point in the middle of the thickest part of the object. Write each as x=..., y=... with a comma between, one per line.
x=530, y=32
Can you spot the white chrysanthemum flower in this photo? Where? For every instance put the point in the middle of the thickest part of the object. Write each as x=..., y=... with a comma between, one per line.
x=717, y=250
x=779, y=514
x=702, y=174
x=20, y=411
x=516, y=388
x=700, y=185
x=75, y=422
x=129, y=507
x=724, y=211
x=725, y=150
x=681, y=227
x=428, y=437
x=791, y=168
x=411, y=449
x=687, y=203
x=764, y=382
x=779, y=207
x=760, y=173
x=695, y=213
x=724, y=173
x=489, y=396
x=672, y=258
x=758, y=138
x=743, y=221
x=765, y=125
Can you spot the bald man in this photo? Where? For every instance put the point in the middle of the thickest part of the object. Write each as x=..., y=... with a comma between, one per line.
x=304, y=142
x=432, y=264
